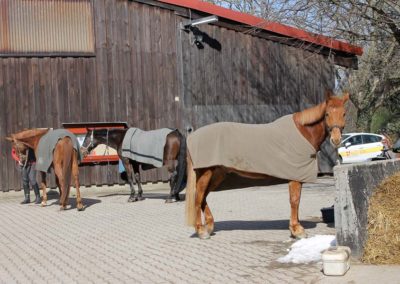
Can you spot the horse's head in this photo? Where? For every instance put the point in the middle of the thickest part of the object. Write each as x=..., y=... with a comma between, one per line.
x=90, y=142
x=87, y=145
x=335, y=116
x=19, y=148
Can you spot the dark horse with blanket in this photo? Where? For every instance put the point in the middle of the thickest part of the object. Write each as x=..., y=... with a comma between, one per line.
x=251, y=150
x=172, y=149
x=53, y=148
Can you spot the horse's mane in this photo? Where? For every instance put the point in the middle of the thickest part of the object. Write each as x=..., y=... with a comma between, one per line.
x=30, y=133
x=312, y=114
x=316, y=113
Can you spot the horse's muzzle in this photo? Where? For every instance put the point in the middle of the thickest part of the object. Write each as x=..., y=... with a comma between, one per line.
x=335, y=143
x=335, y=137
x=84, y=152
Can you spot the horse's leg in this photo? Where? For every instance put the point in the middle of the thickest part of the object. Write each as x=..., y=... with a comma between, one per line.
x=129, y=172
x=174, y=158
x=295, y=193
x=59, y=174
x=58, y=185
x=136, y=174
x=217, y=178
x=201, y=188
x=75, y=176
x=43, y=186
x=173, y=197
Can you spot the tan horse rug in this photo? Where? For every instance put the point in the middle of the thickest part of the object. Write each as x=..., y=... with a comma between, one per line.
x=46, y=147
x=277, y=149
x=145, y=146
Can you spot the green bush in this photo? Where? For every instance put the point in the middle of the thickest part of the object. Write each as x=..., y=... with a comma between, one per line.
x=380, y=119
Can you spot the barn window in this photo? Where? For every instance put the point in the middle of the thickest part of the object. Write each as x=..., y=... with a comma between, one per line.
x=46, y=28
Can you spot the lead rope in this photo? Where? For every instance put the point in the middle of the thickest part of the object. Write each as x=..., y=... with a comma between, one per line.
x=27, y=157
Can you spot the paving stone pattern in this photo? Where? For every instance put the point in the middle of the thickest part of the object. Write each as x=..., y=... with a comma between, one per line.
x=114, y=241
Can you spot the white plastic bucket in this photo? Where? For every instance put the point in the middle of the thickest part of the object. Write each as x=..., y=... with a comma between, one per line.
x=336, y=260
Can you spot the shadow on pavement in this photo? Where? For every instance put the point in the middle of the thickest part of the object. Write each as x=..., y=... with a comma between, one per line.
x=146, y=195
x=115, y=194
x=87, y=202
x=260, y=225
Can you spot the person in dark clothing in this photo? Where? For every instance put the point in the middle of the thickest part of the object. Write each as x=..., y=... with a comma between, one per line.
x=27, y=165
x=387, y=144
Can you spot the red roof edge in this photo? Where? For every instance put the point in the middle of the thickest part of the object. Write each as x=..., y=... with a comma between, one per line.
x=266, y=25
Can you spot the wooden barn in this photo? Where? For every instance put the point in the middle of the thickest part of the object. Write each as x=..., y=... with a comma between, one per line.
x=151, y=64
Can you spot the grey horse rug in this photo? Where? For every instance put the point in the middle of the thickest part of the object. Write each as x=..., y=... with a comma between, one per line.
x=46, y=147
x=145, y=146
x=276, y=149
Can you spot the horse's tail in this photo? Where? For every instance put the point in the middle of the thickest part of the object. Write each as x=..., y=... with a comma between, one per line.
x=190, y=193
x=181, y=168
x=68, y=152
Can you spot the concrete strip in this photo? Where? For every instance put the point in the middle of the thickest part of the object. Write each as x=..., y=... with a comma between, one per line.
x=354, y=184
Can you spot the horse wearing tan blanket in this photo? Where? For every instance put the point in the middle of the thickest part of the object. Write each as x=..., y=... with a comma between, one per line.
x=221, y=148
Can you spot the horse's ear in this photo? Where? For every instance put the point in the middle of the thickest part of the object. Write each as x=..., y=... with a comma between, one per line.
x=346, y=97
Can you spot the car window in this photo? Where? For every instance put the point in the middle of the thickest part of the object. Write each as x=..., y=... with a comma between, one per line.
x=344, y=140
x=371, y=139
x=355, y=140
x=345, y=136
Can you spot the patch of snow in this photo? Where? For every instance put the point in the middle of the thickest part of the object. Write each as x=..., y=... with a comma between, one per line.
x=308, y=250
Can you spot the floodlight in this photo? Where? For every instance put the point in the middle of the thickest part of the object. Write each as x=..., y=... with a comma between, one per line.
x=200, y=21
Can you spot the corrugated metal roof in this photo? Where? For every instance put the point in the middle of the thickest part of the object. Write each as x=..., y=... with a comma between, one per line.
x=46, y=26
x=267, y=25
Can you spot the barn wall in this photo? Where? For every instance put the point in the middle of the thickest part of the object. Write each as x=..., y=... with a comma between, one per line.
x=249, y=79
x=142, y=62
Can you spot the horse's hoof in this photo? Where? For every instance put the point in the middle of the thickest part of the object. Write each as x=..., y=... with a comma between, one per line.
x=43, y=204
x=132, y=199
x=80, y=207
x=299, y=236
x=170, y=200
x=62, y=208
x=297, y=232
x=140, y=198
x=204, y=236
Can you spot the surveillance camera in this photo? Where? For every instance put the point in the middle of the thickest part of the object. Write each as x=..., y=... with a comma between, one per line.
x=199, y=37
x=198, y=44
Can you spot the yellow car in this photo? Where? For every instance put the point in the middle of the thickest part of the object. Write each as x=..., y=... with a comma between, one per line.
x=360, y=147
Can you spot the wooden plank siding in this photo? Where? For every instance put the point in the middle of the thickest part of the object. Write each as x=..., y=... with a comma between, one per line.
x=143, y=60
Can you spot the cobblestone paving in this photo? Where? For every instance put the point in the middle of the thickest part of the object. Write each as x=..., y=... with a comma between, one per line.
x=114, y=241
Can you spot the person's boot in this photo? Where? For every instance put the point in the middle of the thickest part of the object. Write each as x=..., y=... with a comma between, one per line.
x=26, y=195
x=37, y=194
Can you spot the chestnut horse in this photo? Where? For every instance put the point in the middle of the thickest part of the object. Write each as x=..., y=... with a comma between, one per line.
x=174, y=151
x=65, y=162
x=315, y=124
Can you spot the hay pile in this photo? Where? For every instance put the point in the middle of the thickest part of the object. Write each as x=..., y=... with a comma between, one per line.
x=383, y=243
